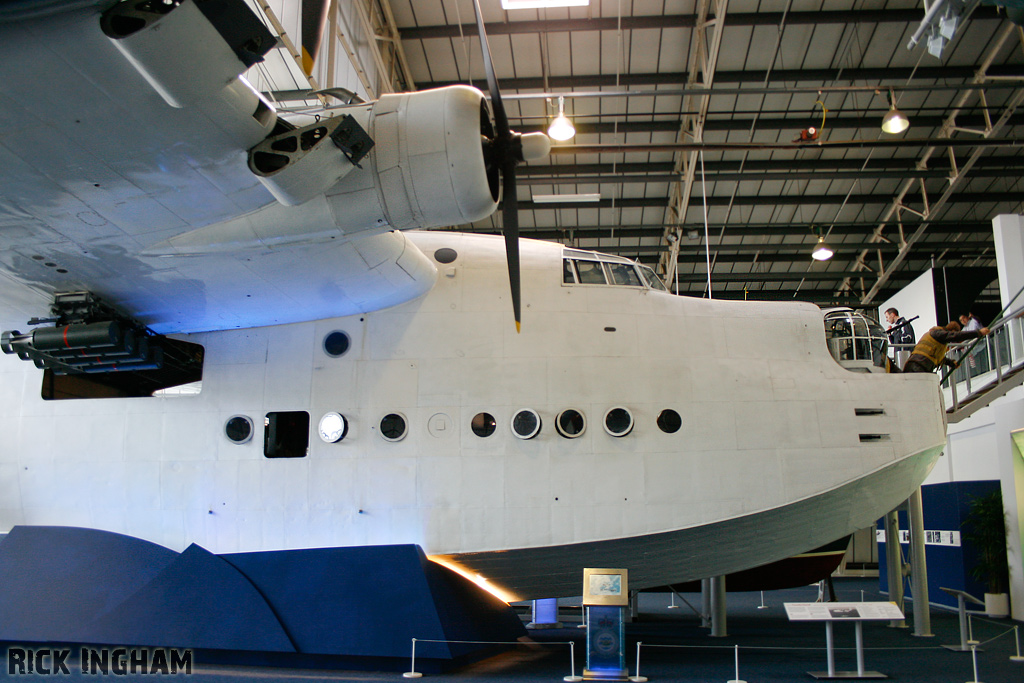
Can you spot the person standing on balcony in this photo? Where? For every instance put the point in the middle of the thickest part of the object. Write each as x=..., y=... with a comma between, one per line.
x=930, y=352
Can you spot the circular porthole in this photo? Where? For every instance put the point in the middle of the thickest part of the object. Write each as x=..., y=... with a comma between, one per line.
x=393, y=427
x=336, y=344
x=571, y=424
x=333, y=427
x=445, y=255
x=618, y=421
x=669, y=421
x=238, y=429
x=526, y=424
x=483, y=424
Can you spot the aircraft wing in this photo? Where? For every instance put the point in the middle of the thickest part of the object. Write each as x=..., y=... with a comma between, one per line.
x=135, y=163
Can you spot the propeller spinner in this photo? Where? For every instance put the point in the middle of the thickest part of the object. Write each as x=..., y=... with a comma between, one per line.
x=503, y=152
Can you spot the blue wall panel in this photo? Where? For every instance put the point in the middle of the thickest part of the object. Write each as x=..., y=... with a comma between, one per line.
x=945, y=508
x=55, y=580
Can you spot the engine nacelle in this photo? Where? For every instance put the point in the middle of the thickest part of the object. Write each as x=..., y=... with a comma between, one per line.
x=426, y=168
x=188, y=50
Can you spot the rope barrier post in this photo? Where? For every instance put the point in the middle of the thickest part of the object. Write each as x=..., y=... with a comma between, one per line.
x=970, y=632
x=412, y=673
x=572, y=677
x=1016, y=637
x=974, y=660
x=638, y=678
x=737, y=662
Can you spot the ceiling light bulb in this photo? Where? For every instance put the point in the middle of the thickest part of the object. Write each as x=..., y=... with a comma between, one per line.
x=822, y=252
x=895, y=121
x=561, y=128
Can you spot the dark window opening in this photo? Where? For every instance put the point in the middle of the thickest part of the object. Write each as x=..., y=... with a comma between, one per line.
x=483, y=424
x=393, y=427
x=180, y=374
x=624, y=274
x=336, y=344
x=526, y=424
x=618, y=422
x=239, y=429
x=867, y=438
x=868, y=411
x=286, y=434
x=445, y=255
x=570, y=423
x=669, y=421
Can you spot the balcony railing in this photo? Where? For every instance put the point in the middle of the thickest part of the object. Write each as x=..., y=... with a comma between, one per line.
x=988, y=367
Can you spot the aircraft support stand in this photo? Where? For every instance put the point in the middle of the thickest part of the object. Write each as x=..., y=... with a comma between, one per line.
x=894, y=564
x=718, y=611
x=705, y=603
x=918, y=567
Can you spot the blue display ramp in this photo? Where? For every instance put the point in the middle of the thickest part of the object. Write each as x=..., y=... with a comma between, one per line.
x=325, y=607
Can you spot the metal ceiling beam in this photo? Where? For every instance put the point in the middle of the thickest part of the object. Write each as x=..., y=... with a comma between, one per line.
x=903, y=76
x=620, y=179
x=886, y=16
x=794, y=122
x=724, y=166
x=1012, y=198
x=938, y=229
x=798, y=276
x=980, y=142
x=960, y=170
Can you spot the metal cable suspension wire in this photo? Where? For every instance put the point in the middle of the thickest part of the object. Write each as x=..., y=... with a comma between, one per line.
x=707, y=240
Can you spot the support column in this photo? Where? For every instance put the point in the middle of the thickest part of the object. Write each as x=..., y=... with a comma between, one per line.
x=718, y=627
x=545, y=614
x=894, y=564
x=919, y=568
x=705, y=603
x=1008, y=231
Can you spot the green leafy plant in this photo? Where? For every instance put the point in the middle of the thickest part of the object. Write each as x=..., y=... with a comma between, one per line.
x=985, y=528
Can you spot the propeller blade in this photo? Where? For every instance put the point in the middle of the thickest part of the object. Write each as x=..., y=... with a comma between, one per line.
x=500, y=119
x=510, y=228
x=314, y=17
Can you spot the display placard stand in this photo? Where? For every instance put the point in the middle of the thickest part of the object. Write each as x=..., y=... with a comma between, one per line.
x=830, y=612
x=961, y=608
x=605, y=599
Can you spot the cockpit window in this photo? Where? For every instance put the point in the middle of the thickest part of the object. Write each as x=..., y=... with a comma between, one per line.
x=568, y=277
x=653, y=280
x=604, y=269
x=624, y=274
x=590, y=272
x=857, y=343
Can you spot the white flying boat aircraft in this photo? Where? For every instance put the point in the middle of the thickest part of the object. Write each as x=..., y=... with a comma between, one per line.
x=238, y=345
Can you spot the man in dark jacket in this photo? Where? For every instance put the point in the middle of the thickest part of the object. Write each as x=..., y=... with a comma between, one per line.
x=899, y=331
x=930, y=352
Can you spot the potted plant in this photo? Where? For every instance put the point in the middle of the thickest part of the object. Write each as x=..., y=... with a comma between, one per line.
x=985, y=529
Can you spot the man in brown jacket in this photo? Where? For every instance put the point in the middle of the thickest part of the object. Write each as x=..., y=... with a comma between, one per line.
x=930, y=352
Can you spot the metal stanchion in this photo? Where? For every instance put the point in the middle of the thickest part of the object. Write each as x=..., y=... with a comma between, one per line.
x=638, y=678
x=737, y=660
x=412, y=672
x=1016, y=636
x=974, y=660
x=572, y=677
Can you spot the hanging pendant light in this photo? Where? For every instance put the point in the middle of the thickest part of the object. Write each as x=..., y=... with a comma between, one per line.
x=894, y=120
x=561, y=128
x=821, y=251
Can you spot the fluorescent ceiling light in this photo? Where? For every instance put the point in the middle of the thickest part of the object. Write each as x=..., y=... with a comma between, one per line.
x=562, y=198
x=538, y=4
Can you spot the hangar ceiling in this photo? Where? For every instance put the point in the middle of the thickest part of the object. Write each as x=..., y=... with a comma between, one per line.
x=689, y=116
